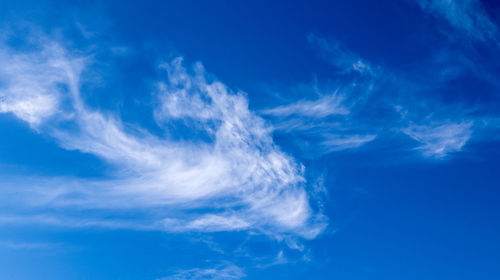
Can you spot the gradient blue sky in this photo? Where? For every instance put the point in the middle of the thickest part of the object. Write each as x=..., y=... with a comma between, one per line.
x=250, y=140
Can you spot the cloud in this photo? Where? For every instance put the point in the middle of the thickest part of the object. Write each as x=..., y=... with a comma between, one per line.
x=337, y=56
x=322, y=107
x=31, y=81
x=279, y=259
x=328, y=120
x=325, y=124
x=440, y=139
x=207, y=223
x=27, y=245
x=335, y=142
x=224, y=161
x=222, y=271
x=465, y=15
x=63, y=221
x=380, y=89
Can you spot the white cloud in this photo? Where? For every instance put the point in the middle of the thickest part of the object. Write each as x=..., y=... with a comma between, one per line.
x=322, y=107
x=27, y=245
x=335, y=142
x=438, y=140
x=325, y=122
x=31, y=82
x=465, y=15
x=222, y=271
x=344, y=60
x=279, y=259
x=238, y=170
x=206, y=223
x=330, y=122
x=63, y=221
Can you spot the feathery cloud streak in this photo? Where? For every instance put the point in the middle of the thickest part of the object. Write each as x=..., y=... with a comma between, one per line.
x=326, y=123
x=465, y=15
x=222, y=271
x=437, y=140
x=338, y=121
x=236, y=177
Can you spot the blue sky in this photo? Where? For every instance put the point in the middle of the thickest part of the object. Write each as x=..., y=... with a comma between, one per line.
x=250, y=140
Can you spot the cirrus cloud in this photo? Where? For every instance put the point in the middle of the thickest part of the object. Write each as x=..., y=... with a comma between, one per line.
x=232, y=178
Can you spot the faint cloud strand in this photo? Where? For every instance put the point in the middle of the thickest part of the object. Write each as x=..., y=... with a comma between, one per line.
x=322, y=107
x=464, y=15
x=334, y=142
x=346, y=61
x=220, y=272
x=27, y=245
x=438, y=140
x=327, y=123
x=438, y=136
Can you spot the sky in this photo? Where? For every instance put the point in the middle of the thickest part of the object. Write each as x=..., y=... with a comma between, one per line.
x=170, y=140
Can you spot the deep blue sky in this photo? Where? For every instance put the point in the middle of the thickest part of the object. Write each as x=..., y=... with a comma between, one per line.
x=253, y=140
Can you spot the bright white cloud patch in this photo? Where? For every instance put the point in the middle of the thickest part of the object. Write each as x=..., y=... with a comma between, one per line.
x=31, y=82
x=438, y=140
x=236, y=176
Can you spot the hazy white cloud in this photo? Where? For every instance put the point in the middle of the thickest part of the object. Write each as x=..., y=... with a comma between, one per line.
x=329, y=122
x=465, y=15
x=15, y=245
x=219, y=272
x=325, y=122
x=341, y=58
x=63, y=221
x=206, y=223
x=439, y=139
x=30, y=84
x=238, y=170
x=336, y=142
x=322, y=107
x=279, y=259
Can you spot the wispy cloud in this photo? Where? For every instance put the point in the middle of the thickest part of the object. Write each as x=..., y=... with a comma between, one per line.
x=322, y=107
x=15, y=245
x=439, y=135
x=222, y=271
x=236, y=174
x=345, y=60
x=31, y=81
x=326, y=121
x=207, y=223
x=65, y=221
x=335, y=142
x=441, y=139
x=279, y=259
x=465, y=15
